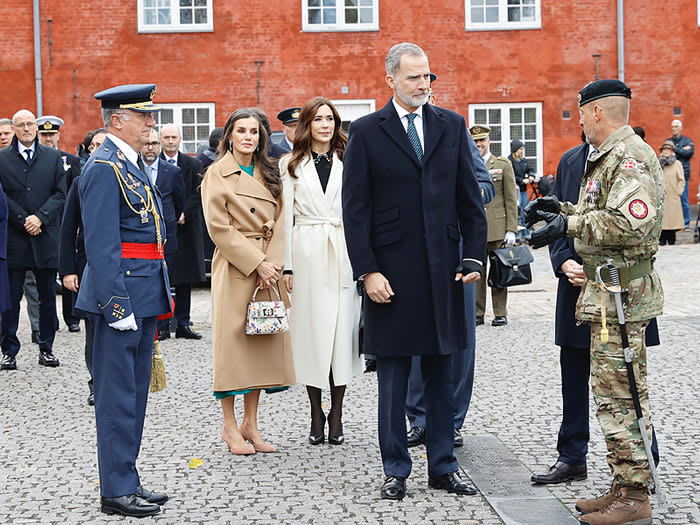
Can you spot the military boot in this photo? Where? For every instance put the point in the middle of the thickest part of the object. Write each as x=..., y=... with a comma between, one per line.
x=586, y=506
x=630, y=507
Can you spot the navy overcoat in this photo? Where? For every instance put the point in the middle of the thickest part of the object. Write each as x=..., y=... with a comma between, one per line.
x=403, y=219
x=172, y=195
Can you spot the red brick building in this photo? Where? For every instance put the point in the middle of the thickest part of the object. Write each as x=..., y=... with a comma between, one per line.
x=515, y=64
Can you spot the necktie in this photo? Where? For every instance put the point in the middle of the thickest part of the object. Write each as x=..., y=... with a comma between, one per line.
x=171, y=161
x=413, y=136
x=28, y=152
x=139, y=163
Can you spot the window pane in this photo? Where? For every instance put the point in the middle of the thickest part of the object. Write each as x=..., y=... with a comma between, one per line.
x=187, y=132
x=516, y=115
x=530, y=132
x=166, y=116
x=185, y=16
x=530, y=115
x=495, y=134
x=164, y=16
x=492, y=14
x=367, y=2
x=200, y=16
x=529, y=14
x=366, y=15
x=513, y=14
x=495, y=149
x=149, y=3
x=477, y=15
x=149, y=16
x=188, y=116
x=494, y=116
x=203, y=115
x=531, y=151
x=329, y=16
x=516, y=133
x=351, y=16
x=351, y=3
x=185, y=3
x=513, y=2
x=203, y=133
x=314, y=3
x=479, y=116
x=314, y=16
x=189, y=147
x=328, y=3
x=200, y=3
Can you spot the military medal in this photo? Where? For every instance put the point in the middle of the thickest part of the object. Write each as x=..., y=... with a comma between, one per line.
x=144, y=215
x=120, y=155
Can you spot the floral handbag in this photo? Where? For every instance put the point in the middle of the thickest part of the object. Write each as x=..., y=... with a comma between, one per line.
x=266, y=317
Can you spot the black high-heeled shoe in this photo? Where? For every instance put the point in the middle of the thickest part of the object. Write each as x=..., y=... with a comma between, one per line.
x=317, y=439
x=336, y=438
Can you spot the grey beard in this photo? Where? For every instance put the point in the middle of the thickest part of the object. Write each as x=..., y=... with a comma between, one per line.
x=667, y=161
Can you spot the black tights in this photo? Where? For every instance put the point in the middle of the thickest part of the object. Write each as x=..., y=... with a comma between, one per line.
x=335, y=416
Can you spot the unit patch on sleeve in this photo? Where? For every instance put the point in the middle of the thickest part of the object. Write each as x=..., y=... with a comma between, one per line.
x=638, y=209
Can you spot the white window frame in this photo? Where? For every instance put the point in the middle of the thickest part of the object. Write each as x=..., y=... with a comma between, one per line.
x=174, y=15
x=503, y=24
x=340, y=17
x=505, y=127
x=177, y=119
x=372, y=103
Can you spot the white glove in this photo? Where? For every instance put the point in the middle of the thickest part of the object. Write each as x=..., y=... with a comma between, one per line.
x=128, y=323
x=537, y=177
x=510, y=238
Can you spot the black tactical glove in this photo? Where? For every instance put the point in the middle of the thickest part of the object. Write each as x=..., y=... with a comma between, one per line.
x=548, y=204
x=553, y=230
x=468, y=266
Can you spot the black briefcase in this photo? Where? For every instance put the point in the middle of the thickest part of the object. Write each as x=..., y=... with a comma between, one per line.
x=510, y=266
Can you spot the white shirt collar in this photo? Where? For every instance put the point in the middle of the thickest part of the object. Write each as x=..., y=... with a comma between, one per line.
x=167, y=157
x=152, y=171
x=127, y=150
x=22, y=148
x=486, y=157
x=403, y=111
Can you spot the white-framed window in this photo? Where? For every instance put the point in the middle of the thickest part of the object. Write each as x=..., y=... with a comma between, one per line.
x=340, y=15
x=351, y=109
x=195, y=121
x=175, y=16
x=485, y=15
x=520, y=120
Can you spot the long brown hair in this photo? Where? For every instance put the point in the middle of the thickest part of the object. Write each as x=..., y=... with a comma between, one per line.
x=268, y=169
x=302, y=136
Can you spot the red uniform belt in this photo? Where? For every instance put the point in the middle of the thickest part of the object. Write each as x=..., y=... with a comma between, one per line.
x=140, y=250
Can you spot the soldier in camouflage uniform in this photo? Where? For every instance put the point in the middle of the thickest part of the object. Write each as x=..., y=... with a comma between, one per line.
x=618, y=216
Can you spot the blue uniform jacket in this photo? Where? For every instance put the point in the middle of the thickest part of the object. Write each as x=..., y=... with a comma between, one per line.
x=111, y=286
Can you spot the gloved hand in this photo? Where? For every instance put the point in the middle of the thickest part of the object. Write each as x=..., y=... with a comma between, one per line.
x=128, y=323
x=553, y=230
x=549, y=204
x=509, y=239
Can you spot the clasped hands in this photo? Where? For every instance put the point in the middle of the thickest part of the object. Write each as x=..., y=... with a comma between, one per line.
x=32, y=225
x=545, y=209
x=268, y=274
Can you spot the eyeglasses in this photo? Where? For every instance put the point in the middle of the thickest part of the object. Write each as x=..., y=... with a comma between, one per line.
x=152, y=144
x=21, y=125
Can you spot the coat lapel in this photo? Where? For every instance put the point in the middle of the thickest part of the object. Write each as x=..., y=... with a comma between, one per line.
x=309, y=177
x=391, y=124
x=433, y=128
x=247, y=185
x=335, y=181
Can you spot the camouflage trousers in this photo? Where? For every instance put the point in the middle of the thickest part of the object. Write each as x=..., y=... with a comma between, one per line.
x=611, y=391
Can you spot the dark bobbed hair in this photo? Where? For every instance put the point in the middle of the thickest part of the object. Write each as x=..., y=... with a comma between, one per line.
x=302, y=135
x=215, y=137
x=268, y=169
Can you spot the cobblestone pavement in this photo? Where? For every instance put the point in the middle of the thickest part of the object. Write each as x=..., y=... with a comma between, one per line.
x=48, y=470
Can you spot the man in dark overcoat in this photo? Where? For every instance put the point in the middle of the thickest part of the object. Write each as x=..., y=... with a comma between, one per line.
x=573, y=338
x=408, y=190
x=34, y=181
x=187, y=265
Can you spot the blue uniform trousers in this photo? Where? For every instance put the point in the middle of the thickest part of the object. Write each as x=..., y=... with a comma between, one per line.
x=122, y=375
x=572, y=442
x=462, y=364
x=392, y=376
x=46, y=285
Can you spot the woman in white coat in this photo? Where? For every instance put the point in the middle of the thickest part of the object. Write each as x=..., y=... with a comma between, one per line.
x=325, y=306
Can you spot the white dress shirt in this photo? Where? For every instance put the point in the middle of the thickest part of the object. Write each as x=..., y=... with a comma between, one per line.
x=152, y=172
x=127, y=150
x=418, y=121
x=22, y=149
x=167, y=158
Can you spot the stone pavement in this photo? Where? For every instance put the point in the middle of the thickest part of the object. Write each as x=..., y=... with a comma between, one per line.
x=48, y=468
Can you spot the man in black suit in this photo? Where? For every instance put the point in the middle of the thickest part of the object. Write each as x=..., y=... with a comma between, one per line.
x=573, y=338
x=34, y=181
x=408, y=190
x=186, y=266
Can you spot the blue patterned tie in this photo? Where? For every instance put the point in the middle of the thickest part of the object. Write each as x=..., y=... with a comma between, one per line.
x=171, y=161
x=413, y=136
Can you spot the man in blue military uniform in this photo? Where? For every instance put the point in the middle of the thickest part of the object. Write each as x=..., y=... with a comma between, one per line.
x=124, y=288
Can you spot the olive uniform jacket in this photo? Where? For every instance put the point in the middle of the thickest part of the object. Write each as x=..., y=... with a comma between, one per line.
x=502, y=211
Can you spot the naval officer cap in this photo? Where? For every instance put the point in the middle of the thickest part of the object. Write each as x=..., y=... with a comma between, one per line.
x=607, y=87
x=49, y=124
x=480, y=131
x=289, y=115
x=136, y=97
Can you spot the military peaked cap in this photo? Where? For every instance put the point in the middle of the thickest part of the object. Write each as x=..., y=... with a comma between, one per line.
x=480, y=131
x=136, y=97
x=289, y=115
x=607, y=87
x=49, y=124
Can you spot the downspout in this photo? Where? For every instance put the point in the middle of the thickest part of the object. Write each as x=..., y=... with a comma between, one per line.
x=37, y=61
x=620, y=41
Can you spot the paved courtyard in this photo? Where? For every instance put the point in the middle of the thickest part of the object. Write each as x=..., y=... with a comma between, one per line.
x=48, y=471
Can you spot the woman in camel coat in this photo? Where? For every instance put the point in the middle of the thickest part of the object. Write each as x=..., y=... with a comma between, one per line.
x=243, y=208
x=326, y=312
x=675, y=184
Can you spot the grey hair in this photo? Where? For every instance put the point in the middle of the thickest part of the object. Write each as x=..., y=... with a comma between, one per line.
x=393, y=57
x=107, y=115
x=5, y=122
x=14, y=117
x=676, y=122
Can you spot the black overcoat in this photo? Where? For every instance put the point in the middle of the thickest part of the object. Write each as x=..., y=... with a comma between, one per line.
x=188, y=261
x=172, y=194
x=37, y=188
x=404, y=220
x=570, y=170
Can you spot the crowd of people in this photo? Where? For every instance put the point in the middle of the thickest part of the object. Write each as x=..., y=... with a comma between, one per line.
x=407, y=208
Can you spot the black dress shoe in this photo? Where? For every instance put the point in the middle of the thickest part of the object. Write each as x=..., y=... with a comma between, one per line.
x=451, y=482
x=91, y=399
x=394, y=487
x=46, y=358
x=479, y=320
x=35, y=336
x=74, y=327
x=186, y=332
x=370, y=365
x=8, y=363
x=336, y=436
x=129, y=505
x=559, y=473
x=415, y=437
x=459, y=441
x=499, y=320
x=163, y=335
x=316, y=438
x=151, y=497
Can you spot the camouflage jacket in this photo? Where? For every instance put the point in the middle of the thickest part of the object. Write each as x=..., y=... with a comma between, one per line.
x=618, y=215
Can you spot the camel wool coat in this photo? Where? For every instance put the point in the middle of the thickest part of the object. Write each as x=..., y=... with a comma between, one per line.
x=246, y=224
x=325, y=314
x=675, y=185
